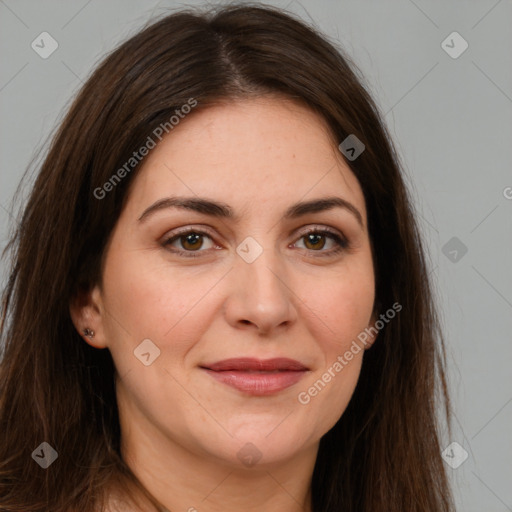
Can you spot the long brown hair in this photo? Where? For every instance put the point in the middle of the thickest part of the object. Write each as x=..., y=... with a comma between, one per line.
x=384, y=452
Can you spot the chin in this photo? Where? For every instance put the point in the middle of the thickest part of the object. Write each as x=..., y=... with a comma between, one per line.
x=271, y=444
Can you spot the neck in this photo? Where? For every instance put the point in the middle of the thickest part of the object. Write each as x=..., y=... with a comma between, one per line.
x=181, y=480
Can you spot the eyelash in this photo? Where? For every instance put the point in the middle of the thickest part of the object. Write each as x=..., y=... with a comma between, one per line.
x=342, y=243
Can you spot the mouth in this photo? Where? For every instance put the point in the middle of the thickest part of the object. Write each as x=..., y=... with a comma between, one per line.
x=256, y=376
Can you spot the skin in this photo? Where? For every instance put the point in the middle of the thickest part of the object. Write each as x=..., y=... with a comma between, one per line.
x=181, y=429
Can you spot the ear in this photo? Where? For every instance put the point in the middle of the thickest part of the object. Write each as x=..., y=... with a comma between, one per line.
x=86, y=311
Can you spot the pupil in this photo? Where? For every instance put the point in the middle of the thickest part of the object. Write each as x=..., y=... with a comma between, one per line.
x=192, y=239
x=314, y=239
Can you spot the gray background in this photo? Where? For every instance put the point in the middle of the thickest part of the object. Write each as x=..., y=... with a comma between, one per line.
x=450, y=118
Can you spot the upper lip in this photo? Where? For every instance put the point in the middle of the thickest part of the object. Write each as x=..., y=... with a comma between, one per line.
x=252, y=364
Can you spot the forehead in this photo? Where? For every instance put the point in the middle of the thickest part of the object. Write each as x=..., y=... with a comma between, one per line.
x=259, y=153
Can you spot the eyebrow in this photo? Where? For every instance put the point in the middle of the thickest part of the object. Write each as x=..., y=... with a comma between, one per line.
x=224, y=211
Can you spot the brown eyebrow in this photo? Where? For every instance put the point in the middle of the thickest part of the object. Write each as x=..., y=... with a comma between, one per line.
x=222, y=210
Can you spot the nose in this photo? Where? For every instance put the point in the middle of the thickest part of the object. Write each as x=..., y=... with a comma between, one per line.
x=259, y=296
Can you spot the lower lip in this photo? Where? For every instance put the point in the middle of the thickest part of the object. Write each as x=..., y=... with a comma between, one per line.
x=258, y=383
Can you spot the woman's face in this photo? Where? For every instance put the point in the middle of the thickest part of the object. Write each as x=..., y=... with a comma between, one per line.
x=234, y=274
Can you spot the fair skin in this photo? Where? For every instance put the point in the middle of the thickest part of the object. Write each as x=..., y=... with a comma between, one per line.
x=182, y=430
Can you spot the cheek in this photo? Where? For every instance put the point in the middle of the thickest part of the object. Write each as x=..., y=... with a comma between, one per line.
x=339, y=308
x=326, y=396
x=146, y=300
x=337, y=312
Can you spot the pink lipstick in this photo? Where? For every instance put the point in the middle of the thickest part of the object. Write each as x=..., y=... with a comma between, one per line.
x=256, y=376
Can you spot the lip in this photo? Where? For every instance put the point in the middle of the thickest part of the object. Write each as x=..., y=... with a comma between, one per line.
x=257, y=376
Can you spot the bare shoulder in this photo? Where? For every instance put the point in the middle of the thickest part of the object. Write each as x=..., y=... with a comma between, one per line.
x=117, y=501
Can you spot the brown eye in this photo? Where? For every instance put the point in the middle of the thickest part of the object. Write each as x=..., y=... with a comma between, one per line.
x=314, y=241
x=190, y=241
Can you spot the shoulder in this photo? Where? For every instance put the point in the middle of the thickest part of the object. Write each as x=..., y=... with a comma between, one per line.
x=118, y=501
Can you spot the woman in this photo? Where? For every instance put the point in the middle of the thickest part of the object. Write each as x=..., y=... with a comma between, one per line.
x=219, y=298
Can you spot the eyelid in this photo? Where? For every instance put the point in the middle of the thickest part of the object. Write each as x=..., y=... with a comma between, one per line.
x=188, y=229
x=313, y=228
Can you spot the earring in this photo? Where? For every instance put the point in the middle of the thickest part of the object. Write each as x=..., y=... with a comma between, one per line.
x=88, y=332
